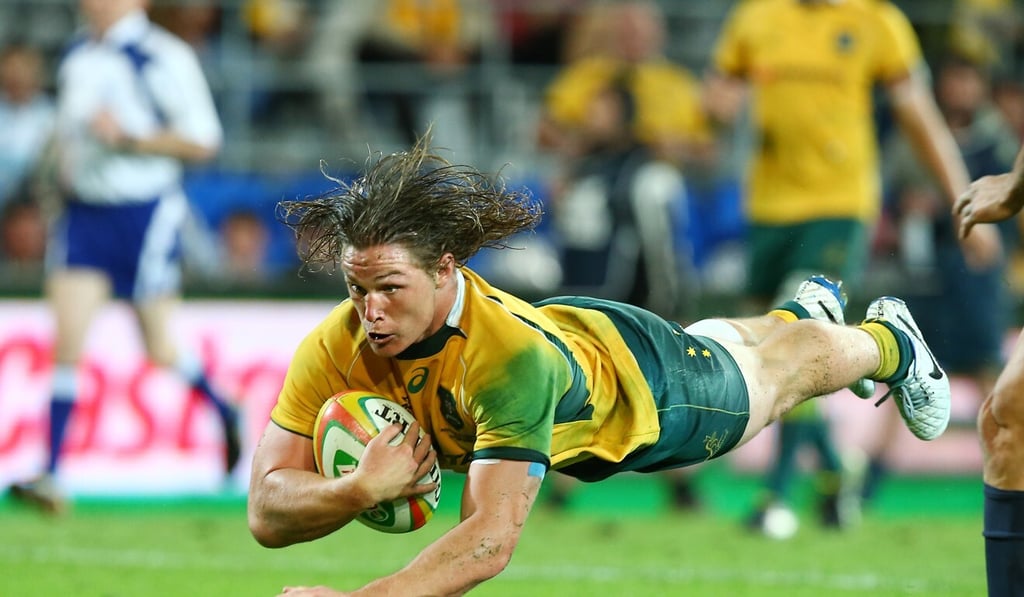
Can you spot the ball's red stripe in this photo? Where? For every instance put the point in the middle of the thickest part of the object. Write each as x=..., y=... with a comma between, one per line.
x=354, y=426
x=419, y=518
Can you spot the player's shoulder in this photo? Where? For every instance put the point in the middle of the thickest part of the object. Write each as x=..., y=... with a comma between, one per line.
x=493, y=313
x=488, y=306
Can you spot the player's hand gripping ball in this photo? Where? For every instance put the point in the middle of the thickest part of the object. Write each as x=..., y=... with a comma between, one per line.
x=345, y=424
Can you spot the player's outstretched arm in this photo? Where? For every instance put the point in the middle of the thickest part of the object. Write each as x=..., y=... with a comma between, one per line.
x=495, y=503
x=992, y=198
x=289, y=502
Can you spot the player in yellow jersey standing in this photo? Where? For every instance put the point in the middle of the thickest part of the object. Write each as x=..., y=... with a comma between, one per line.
x=506, y=390
x=813, y=187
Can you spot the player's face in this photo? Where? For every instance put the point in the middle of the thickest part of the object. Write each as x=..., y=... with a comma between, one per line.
x=399, y=303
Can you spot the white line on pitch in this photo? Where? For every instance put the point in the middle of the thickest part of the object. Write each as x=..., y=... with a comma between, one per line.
x=168, y=560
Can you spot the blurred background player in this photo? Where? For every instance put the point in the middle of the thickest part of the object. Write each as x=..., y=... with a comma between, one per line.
x=813, y=191
x=940, y=282
x=624, y=122
x=132, y=107
x=1001, y=417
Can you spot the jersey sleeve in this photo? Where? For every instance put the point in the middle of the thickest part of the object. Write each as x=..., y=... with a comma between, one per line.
x=514, y=412
x=899, y=52
x=307, y=385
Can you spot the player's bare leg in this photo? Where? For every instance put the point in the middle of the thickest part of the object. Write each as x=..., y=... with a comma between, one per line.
x=155, y=320
x=75, y=296
x=800, y=360
x=808, y=358
x=1001, y=427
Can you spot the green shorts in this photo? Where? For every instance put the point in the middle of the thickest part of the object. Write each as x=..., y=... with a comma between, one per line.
x=837, y=248
x=700, y=394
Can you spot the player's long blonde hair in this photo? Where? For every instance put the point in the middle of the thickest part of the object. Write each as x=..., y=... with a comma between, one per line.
x=416, y=199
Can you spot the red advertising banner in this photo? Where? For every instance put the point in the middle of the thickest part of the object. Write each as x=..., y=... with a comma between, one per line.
x=138, y=429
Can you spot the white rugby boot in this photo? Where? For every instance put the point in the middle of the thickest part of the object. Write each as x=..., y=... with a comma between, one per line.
x=825, y=301
x=923, y=396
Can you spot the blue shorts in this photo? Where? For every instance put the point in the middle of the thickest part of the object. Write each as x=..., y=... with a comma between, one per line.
x=137, y=245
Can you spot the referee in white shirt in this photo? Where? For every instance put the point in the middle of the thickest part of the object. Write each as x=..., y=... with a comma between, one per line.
x=132, y=107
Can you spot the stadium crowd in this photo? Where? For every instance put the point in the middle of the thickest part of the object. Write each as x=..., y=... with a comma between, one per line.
x=297, y=80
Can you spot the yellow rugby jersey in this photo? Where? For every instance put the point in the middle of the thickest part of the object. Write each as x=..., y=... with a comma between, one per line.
x=812, y=68
x=668, y=103
x=503, y=379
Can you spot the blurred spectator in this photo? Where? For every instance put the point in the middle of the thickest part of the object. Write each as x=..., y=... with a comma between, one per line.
x=282, y=31
x=609, y=115
x=624, y=120
x=22, y=235
x=244, y=244
x=332, y=63
x=939, y=280
x=625, y=41
x=1008, y=97
x=614, y=220
x=280, y=25
x=27, y=116
x=436, y=41
x=985, y=31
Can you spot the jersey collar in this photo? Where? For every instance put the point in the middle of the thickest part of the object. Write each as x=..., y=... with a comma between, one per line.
x=455, y=315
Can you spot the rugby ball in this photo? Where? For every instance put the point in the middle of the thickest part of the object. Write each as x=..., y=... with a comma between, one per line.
x=344, y=425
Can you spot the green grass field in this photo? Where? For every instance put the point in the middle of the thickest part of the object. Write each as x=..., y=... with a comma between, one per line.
x=922, y=538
